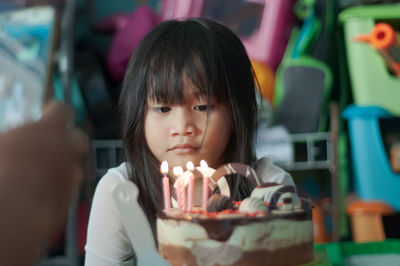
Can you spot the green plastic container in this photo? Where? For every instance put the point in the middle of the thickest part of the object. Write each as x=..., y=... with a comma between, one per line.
x=321, y=258
x=372, y=84
x=362, y=254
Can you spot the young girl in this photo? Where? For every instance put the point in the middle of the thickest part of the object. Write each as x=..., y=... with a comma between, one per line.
x=188, y=94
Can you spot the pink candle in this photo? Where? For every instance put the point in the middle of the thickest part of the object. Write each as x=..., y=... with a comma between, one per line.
x=204, y=167
x=165, y=184
x=179, y=187
x=183, y=194
x=190, y=167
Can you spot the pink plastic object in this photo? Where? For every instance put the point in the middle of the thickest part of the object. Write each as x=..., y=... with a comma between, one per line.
x=130, y=29
x=266, y=44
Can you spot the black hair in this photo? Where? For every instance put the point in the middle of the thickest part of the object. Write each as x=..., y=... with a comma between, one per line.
x=216, y=63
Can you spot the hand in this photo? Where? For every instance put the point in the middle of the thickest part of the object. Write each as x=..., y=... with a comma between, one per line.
x=40, y=172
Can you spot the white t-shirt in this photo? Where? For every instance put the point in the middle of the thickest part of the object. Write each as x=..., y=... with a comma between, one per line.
x=107, y=240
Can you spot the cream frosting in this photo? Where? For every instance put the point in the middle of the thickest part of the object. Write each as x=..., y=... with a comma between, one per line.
x=270, y=235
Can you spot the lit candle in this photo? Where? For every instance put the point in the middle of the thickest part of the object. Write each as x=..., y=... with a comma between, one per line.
x=190, y=167
x=179, y=187
x=165, y=184
x=204, y=167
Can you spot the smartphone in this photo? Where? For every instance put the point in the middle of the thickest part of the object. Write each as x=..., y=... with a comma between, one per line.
x=26, y=52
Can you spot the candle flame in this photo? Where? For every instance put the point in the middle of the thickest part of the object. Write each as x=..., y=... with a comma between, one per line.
x=177, y=170
x=164, y=167
x=203, y=164
x=189, y=165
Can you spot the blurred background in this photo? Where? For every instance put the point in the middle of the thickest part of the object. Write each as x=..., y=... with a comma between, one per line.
x=329, y=77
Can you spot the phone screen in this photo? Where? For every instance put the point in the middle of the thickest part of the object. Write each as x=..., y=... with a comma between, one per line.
x=26, y=43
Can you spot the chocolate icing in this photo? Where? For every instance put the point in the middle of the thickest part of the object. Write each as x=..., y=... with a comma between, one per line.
x=218, y=202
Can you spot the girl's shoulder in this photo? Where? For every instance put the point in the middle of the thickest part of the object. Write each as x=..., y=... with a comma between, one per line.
x=114, y=176
x=268, y=171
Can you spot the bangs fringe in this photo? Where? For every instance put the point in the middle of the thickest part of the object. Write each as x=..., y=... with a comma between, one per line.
x=184, y=62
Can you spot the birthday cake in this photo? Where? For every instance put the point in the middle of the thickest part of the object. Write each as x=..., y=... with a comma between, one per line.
x=271, y=227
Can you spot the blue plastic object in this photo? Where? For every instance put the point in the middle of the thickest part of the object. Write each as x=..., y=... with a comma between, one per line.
x=374, y=178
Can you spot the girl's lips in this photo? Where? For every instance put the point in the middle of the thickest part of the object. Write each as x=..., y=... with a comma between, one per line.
x=183, y=148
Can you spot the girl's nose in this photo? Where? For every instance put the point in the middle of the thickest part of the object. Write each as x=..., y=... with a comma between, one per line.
x=183, y=124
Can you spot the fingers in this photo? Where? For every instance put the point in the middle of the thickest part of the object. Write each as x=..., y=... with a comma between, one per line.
x=61, y=114
x=58, y=113
x=79, y=141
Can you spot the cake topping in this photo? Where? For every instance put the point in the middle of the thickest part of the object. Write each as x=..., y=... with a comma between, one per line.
x=268, y=184
x=278, y=196
x=284, y=198
x=265, y=197
x=265, y=191
x=252, y=205
x=237, y=168
x=218, y=202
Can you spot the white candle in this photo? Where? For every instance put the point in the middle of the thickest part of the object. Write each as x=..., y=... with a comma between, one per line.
x=204, y=166
x=190, y=167
x=165, y=184
x=179, y=187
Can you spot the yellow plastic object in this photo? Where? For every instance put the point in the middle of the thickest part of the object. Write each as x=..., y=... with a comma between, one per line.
x=366, y=220
x=266, y=79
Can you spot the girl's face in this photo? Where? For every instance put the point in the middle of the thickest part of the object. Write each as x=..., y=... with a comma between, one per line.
x=180, y=133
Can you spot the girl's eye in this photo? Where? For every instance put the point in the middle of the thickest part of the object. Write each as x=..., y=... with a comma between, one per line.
x=163, y=109
x=201, y=107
